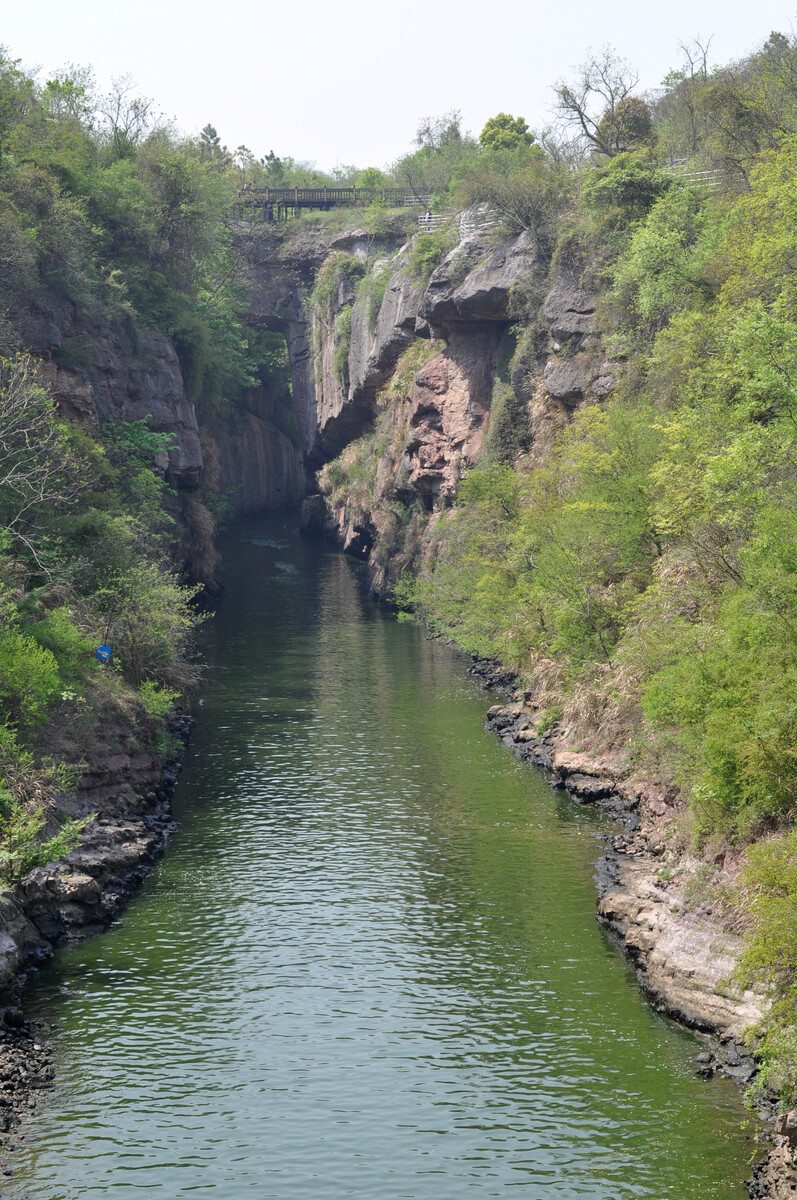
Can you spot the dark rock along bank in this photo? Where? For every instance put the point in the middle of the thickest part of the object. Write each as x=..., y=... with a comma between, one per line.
x=75, y=898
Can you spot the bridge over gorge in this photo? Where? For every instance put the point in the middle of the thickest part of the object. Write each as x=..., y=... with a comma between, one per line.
x=275, y=204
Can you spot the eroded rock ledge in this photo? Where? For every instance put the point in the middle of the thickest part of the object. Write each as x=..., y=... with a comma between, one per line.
x=776, y=1177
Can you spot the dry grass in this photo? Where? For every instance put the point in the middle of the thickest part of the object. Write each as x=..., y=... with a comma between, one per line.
x=599, y=714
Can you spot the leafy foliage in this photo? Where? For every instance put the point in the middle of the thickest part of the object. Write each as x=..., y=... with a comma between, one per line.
x=21, y=848
x=444, y=155
x=504, y=132
x=528, y=188
x=429, y=250
x=771, y=957
x=82, y=561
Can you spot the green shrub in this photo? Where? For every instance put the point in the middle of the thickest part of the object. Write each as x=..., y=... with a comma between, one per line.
x=549, y=717
x=155, y=699
x=29, y=679
x=624, y=189
x=72, y=649
x=771, y=958
x=336, y=267
x=508, y=432
x=151, y=625
x=527, y=188
x=371, y=293
x=342, y=333
x=20, y=847
x=335, y=474
x=429, y=250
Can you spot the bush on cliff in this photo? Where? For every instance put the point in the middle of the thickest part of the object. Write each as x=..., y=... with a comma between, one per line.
x=525, y=187
x=29, y=680
x=771, y=958
x=21, y=845
x=428, y=251
x=82, y=561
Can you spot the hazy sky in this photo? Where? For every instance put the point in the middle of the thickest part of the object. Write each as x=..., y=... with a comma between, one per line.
x=347, y=81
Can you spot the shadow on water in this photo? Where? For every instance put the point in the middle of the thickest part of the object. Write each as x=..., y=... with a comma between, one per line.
x=369, y=965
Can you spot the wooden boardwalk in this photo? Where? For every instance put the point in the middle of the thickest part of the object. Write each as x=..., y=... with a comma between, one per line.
x=274, y=204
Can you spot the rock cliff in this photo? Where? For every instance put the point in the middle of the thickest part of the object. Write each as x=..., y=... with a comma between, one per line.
x=98, y=372
x=397, y=376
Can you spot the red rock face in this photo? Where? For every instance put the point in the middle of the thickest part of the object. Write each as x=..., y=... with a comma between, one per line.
x=451, y=406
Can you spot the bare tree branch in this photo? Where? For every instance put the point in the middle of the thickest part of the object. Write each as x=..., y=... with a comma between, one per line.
x=593, y=104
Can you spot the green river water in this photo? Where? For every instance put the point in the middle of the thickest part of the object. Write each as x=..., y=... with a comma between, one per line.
x=369, y=964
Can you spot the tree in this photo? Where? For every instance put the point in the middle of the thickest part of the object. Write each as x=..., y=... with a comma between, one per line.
x=443, y=154
x=151, y=625
x=37, y=467
x=526, y=187
x=211, y=149
x=679, y=117
x=633, y=125
x=436, y=132
x=621, y=191
x=596, y=104
x=17, y=97
x=274, y=169
x=245, y=161
x=504, y=132
x=371, y=177
x=70, y=93
x=127, y=116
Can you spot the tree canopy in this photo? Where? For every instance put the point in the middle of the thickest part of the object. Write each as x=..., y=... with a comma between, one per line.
x=504, y=132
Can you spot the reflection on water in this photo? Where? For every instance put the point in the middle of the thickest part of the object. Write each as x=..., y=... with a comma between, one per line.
x=369, y=965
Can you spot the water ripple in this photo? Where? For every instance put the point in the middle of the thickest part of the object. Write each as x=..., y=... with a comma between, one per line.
x=369, y=965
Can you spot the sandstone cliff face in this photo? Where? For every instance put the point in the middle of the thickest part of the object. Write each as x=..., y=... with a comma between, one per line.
x=330, y=413
x=474, y=282
x=374, y=351
x=449, y=415
x=439, y=421
x=99, y=374
x=251, y=459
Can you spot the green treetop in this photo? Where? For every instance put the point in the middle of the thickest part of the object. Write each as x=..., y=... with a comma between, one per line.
x=505, y=132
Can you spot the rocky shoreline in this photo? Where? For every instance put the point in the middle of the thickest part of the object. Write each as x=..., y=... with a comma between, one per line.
x=66, y=901
x=682, y=952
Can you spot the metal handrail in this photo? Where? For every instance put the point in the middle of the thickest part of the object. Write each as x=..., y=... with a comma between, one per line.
x=327, y=195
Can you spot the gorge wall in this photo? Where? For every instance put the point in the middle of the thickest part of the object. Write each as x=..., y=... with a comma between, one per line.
x=395, y=376
x=99, y=372
x=425, y=359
